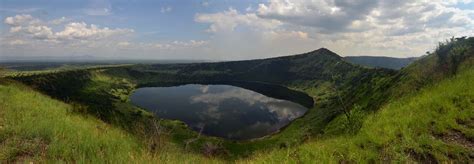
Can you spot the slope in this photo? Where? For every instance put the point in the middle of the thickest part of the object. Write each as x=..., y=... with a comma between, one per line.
x=36, y=128
x=435, y=124
x=381, y=61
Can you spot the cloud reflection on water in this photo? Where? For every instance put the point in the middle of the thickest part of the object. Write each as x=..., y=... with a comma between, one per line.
x=222, y=110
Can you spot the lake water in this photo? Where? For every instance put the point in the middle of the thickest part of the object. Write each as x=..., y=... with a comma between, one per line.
x=219, y=110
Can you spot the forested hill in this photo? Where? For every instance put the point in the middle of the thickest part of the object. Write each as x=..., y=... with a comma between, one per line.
x=321, y=65
x=381, y=61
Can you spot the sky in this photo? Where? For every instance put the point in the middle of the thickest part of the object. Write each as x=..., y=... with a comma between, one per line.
x=228, y=29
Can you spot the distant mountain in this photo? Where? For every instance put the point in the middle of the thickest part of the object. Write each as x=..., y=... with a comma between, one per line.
x=381, y=61
x=86, y=59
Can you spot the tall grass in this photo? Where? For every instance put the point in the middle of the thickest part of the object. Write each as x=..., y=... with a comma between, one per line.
x=435, y=124
x=34, y=127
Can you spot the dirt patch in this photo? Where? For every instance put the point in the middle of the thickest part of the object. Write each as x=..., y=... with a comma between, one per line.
x=38, y=149
x=213, y=150
x=455, y=136
x=20, y=150
x=421, y=157
x=469, y=123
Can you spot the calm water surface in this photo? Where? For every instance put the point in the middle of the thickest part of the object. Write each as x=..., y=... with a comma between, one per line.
x=219, y=110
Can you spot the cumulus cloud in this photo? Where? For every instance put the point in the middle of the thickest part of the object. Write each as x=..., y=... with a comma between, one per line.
x=59, y=21
x=31, y=28
x=46, y=37
x=366, y=27
x=283, y=110
x=228, y=20
x=328, y=15
x=80, y=30
x=17, y=42
x=331, y=16
x=57, y=36
x=21, y=19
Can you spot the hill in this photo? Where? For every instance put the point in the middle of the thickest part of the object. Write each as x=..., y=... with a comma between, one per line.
x=381, y=61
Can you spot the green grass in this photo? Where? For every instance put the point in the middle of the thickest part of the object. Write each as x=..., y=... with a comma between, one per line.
x=34, y=127
x=433, y=124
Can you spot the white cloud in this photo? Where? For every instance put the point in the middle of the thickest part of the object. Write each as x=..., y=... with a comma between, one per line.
x=166, y=9
x=16, y=29
x=20, y=20
x=46, y=37
x=17, y=42
x=124, y=44
x=249, y=8
x=80, y=30
x=27, y=29
x=28, y=26
x=228, y=20
x=40, y=32
x=58, y=21
x=326, y=15
x=367, y=27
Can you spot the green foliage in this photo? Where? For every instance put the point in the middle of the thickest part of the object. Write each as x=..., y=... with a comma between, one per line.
x=36, y=128
x=448, y=59
x=451, y=53
x=381, y=61
x=432, y=125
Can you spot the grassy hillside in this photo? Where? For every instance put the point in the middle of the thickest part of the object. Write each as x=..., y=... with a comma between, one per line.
x=435, y=124
x=34, y=127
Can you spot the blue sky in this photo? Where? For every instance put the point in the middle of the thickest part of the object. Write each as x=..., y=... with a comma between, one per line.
x=145, y=16
x=228, y=29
